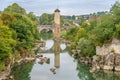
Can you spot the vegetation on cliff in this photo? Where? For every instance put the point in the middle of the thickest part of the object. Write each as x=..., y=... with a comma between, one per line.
x=95, y=33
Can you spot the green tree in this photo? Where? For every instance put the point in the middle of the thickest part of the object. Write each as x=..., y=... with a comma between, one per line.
x=24, y=27
x=80, y=33
x=24, y=30
x=15, y=8
x=104, y=30
x=70, y=33
x=117, y=33
x=6, y=42
x=73, y=17
x=115, y=11
x=46, y=19
x=1, y=22
x=32, y=16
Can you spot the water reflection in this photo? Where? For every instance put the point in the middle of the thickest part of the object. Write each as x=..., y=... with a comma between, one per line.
x=47, y=35
x=22, y=71
x=107, y=75
x=57, y=53
x=63, y=46
x=84, y=74
x=49, y=44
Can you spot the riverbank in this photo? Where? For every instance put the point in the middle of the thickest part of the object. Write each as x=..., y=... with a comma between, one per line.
x=107, y=57
x=29, y=57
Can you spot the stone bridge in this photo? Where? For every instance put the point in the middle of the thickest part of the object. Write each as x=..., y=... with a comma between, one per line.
x=50, y=28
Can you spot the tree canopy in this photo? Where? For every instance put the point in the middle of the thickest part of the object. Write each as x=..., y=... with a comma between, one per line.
x=15, y=8
x=18, y=31
x=46, y=19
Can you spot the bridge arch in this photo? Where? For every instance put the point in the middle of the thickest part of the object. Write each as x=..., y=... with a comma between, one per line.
x=45, y=28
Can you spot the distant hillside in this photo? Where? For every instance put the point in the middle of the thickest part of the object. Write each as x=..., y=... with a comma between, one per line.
x=81, y=18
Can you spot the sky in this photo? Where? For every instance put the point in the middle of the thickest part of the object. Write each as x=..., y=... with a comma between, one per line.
x=67, y=7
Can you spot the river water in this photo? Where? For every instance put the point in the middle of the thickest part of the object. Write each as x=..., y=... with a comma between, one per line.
x=67, y=67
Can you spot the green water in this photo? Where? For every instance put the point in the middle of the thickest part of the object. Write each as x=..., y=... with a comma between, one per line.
x=84, y=74
x=22, y=72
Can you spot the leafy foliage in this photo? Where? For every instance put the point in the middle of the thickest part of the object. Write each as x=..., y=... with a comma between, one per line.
x=6, y=42
x=15, y=8
x=71, y=33
x=115, y=11
x=46, y=19
x=18, y=31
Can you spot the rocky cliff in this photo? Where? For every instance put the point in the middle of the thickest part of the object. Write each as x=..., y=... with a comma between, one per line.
x=107, y=57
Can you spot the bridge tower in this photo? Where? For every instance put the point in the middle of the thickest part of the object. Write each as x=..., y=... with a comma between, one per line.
x=57, y=24
x=57, y=38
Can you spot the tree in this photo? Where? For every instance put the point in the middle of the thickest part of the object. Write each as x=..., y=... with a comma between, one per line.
x=103, y=31
x=15, y=8
x=23, y=26
x=80, y=33
x=1, y=22
x=18, y=31
x=0, y=12
x=115, y=11
x=86, y=47
x=24, y=30
x=117, y=33
x=6, y=42
x=7, y=18
x=46, y=19
x=71, y=33
x=73, y=17
x=32, y=16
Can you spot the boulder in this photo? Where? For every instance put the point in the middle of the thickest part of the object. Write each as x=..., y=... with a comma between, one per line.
x=75, y=55
x=41, y=61
x=47, y=60
x=53, y=70
x=107, y=67
x=29, y=59
x=39, y=55
x=117, y=68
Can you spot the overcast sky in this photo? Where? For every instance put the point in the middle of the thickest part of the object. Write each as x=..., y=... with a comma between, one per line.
x=67, y=7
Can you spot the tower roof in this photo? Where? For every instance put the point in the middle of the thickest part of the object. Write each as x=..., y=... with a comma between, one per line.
x=57, y=10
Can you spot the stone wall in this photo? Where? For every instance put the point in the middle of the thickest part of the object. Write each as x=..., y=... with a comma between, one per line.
x=114, y=46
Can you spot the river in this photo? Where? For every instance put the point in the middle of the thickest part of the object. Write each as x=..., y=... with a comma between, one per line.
x=67, y=67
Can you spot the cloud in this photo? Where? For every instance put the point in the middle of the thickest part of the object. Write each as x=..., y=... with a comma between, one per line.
x=67, y=7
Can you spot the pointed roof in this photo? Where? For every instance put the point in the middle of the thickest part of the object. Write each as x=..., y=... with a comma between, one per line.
x=57, y=10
